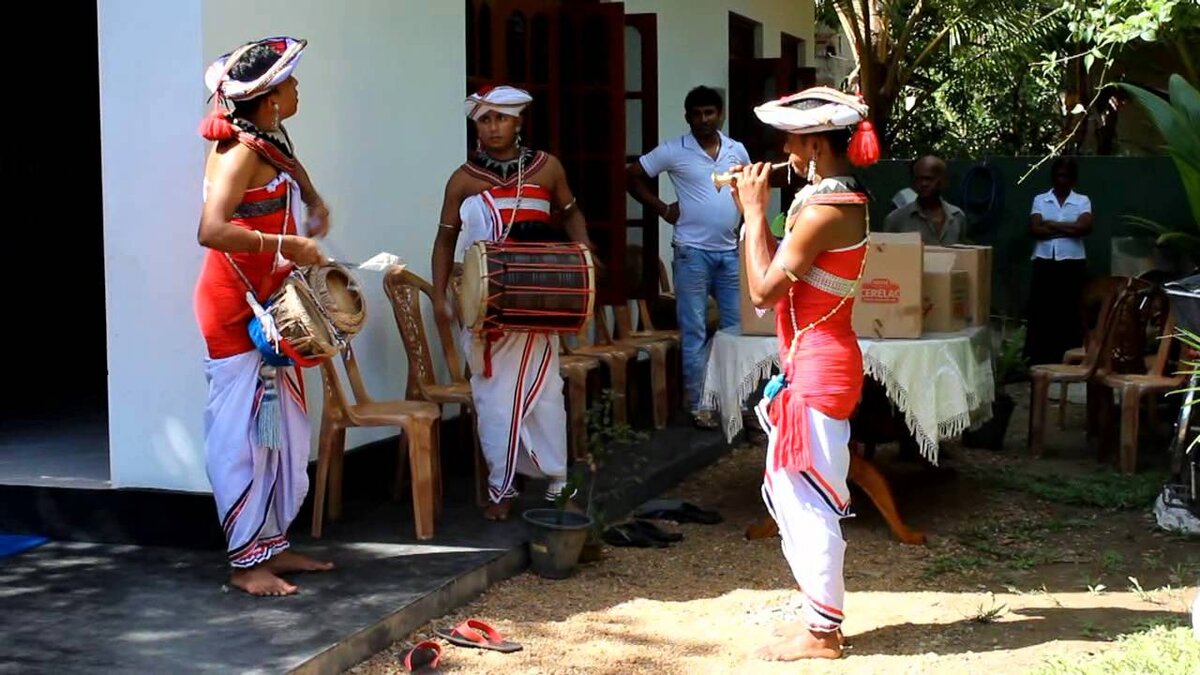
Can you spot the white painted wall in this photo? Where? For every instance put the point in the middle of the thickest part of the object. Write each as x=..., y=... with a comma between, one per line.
x=151, y=60
x=693, y=49
x=380, y=128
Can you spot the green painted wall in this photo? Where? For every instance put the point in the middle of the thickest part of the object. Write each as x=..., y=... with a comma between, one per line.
x=1118, y=186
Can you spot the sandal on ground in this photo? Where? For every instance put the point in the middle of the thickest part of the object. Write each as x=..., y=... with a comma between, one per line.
x=627, y=535
x=475, y=634
x=678, y=511
x=423, y=658
x=655, y=532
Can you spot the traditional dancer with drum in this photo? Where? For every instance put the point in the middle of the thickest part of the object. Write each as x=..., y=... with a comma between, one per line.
x=810, y=279
x=505, y=193
x=257, y=437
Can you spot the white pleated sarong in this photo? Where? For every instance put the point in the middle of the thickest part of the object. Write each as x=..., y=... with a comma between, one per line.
x=809, y=507
x=258, y=491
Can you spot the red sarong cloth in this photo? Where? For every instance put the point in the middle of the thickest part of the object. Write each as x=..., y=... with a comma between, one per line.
x=825, y=372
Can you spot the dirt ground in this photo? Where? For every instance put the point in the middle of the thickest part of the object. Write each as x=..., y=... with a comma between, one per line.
x=1021, y=568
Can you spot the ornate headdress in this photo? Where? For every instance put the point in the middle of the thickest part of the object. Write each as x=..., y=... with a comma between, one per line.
x=821, y=109
x=226, y=90
x=503, y=99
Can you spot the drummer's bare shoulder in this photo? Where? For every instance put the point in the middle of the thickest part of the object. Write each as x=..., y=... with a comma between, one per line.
x=551, y=172
x=459, y=186
x=553, y=177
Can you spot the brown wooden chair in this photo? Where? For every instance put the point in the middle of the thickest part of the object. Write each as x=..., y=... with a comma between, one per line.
x=616, y=360
x=658, y=345
x=575, y=370
x=666, y=299
x=1135, y=388
x=1042, y=376
x=1097, y=294
x=647, y=306
x=404, y=289
x=418, y=422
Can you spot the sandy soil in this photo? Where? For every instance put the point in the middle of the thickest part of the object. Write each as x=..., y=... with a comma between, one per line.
x=1002, y=585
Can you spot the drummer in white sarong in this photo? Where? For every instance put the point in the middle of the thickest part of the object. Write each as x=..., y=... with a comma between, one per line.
x=506, y=191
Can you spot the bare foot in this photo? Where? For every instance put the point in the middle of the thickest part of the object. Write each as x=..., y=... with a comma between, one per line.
x=804, y=645
x=260, y=581
x=287, y=562
x=498, y=511
x=789, y=629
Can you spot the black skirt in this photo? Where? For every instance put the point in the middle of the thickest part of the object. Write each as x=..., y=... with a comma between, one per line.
x=1054, y=315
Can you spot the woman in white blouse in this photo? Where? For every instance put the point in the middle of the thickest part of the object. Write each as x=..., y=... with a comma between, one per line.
x=1059, y=221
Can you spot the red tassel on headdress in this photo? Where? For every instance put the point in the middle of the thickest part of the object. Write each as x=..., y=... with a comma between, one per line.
x=864, y=145
x=216, y=125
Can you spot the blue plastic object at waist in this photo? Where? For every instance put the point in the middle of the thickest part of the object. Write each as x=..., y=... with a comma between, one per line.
x=774, y=386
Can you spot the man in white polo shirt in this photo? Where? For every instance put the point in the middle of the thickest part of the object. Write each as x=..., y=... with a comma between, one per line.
x=706, y=222
x=1058, y=222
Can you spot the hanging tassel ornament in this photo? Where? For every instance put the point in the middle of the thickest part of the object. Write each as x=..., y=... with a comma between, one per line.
x=216, y=125
x=268, y=422
x=864, y=145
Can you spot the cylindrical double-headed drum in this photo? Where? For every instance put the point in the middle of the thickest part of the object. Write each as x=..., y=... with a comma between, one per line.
x=514, y=286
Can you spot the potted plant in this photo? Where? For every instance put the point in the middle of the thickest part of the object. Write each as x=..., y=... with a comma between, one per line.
x=559, y=536
x=1010, y=367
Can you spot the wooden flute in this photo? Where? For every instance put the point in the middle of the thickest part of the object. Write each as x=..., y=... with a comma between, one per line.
x=720, y=180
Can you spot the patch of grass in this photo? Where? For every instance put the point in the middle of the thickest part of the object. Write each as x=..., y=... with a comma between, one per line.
x=1018, y=545
x=957, y=563
x=1095, y=586
x=1111, y=561
x=1091, y=631
x=1160, y=650
x=1025, y=561
x=1184, y=573
x=1102, y=489
x=1136, y=587
x=990, y=613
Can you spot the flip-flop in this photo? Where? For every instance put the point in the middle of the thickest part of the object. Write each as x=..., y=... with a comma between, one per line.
x=468, y=634
x=678, y=511
x=655, y=532
x=423, y=658
x=625, y=534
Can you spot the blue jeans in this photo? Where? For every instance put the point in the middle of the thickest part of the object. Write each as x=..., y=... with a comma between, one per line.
x=698, y=274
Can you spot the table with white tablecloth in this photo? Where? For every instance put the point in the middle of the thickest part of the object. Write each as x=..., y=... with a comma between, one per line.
x=942, y=383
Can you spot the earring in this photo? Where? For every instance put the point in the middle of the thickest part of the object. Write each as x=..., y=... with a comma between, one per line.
x=276, y=105
x=789, y=173
x=812, y=169
x=518, y=139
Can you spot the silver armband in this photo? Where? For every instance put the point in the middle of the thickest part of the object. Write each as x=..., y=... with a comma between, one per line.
x=454, y=228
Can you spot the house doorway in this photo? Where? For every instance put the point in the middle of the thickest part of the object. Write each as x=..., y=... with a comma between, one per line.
x=54, y=424
x=570, y=56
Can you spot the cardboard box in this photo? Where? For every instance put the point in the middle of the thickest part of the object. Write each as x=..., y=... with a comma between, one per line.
x=976, y=261
x=889, y=300
x=944, y=292
x=752, y=323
